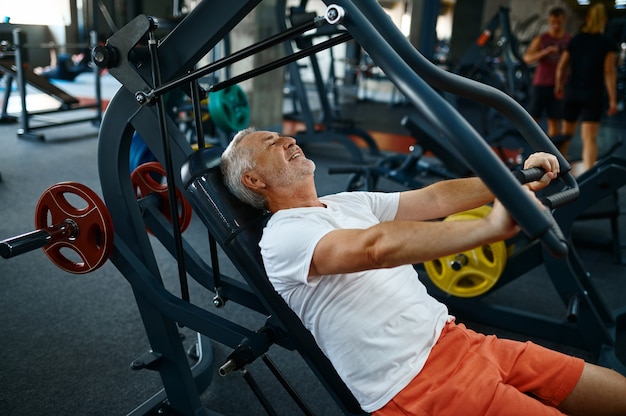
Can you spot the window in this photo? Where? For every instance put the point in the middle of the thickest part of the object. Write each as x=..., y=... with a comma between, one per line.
x=37, y=12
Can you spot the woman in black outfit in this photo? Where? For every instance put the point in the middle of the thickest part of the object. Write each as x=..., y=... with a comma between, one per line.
x=590, y=59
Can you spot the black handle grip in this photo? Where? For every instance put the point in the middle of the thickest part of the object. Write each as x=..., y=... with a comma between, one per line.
x=559, y=199
x=553, y=239
x=528, y=175
x=24, y=243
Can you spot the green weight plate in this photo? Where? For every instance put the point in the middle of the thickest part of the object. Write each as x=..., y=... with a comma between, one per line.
x=229, y=108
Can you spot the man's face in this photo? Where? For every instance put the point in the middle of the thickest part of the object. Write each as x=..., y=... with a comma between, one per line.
x=556, y=23
x=279, y=160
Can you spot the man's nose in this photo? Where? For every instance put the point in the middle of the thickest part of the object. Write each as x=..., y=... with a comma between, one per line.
x=288, y=141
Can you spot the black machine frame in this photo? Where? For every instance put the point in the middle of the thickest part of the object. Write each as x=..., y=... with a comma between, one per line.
x=147, y=68
x=329, y=126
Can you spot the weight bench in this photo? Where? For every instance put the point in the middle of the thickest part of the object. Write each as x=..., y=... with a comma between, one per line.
x=7, y=64
x=237, y=228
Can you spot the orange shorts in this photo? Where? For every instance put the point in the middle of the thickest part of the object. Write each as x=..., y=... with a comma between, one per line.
x=472, y=374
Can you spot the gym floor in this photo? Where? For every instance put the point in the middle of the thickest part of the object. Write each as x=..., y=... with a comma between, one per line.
x=66, y=341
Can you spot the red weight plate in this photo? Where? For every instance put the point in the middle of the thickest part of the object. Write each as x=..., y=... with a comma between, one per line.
x=146, y=180
x=92, y=244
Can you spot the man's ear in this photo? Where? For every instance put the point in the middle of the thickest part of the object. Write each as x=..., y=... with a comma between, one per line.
x=252, y=181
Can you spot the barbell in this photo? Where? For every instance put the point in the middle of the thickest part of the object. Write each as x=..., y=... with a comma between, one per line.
x=73, y=227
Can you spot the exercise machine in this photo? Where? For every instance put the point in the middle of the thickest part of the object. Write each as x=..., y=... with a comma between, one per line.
x=328, y=127
x=7, y=52
x=233, y=226
x=465, y=281
x=14, y=63
x=147, y=69
x=494, y=58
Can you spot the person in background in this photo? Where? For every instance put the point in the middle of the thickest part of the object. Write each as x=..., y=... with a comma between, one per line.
x=545, y=51
x=590, y=60
x=65, y=66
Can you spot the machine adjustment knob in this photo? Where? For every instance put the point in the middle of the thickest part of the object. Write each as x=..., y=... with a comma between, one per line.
x=334, y=14
x=105, y=56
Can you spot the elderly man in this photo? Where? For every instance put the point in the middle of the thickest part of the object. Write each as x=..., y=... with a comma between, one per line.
x=343, y=263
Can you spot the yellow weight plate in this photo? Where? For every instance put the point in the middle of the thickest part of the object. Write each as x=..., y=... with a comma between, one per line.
x=472, y=272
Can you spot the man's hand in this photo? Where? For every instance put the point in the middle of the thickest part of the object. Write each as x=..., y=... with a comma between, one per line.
x=545, y=161
x=504, y=226
x=501, y=222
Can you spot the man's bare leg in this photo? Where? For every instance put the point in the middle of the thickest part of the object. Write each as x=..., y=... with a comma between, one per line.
x=600, y=391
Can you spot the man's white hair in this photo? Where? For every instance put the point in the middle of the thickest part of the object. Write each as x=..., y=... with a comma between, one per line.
x=237, y=160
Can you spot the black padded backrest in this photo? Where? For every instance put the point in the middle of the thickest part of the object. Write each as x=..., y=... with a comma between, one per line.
x=237, y=228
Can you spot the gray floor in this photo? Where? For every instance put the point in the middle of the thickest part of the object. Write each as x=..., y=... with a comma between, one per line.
x=66, y=341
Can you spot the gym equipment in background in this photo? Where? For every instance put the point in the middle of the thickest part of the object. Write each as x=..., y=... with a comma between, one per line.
x=494, y=58
x=14, y=62
x=327, y=127
x=430, y=159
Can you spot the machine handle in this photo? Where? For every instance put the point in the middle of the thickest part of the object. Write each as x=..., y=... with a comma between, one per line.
x=553, y=239
x=553, y=201
x=528, y=175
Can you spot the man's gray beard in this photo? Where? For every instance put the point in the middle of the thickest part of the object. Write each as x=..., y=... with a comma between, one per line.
x=283, y=177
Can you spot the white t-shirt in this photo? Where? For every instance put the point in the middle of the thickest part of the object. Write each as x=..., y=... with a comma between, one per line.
x=377, y=327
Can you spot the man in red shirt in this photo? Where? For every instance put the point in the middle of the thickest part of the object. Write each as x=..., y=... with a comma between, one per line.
x=545, y=51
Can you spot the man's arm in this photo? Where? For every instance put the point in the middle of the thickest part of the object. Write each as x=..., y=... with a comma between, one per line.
x=534, y=54
x=442, y=199
x=395, y=243
x=409, y=239
x=455, y=195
